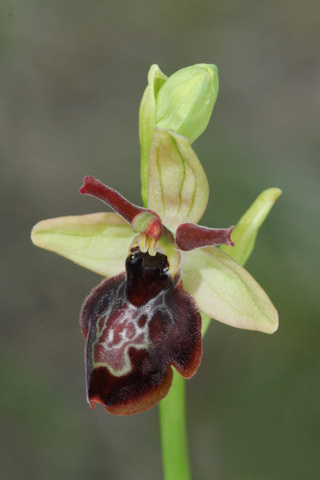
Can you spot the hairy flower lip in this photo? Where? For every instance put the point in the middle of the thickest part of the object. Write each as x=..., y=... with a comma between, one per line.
x=138, y=325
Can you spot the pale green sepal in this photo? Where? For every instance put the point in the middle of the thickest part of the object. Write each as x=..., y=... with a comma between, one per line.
x=245, y=232
x=147, y=120
x=178, y=187
x=226, y=291
x=98, y=241
x=186, y=100
x=205, y=322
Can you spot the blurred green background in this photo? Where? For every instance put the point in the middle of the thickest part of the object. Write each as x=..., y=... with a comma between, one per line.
x=72, y=76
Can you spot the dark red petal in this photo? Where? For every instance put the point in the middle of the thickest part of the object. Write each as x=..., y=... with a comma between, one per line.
x=130, y=348
x=95, y=188
x=190, y=236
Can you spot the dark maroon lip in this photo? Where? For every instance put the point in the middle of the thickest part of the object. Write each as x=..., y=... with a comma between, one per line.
x=137, y=326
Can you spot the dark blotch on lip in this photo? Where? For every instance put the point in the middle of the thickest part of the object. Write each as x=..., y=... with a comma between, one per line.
x=146, y=276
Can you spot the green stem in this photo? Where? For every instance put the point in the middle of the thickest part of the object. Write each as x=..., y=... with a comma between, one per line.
x=173, y=432
x=173, y=426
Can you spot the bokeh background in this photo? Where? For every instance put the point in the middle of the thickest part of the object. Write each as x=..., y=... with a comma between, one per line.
x=72, y=76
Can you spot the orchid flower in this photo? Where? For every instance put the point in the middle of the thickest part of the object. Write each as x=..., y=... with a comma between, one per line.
x=162, y=269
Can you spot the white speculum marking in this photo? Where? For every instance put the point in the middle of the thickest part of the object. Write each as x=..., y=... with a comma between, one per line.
x=117, y=330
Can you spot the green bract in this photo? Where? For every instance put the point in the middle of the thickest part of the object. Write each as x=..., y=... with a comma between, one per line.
x=178, y=187
x=182, y=103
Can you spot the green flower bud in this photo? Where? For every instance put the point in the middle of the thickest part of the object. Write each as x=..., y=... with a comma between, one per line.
x=182, y=103
x=185, y=101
